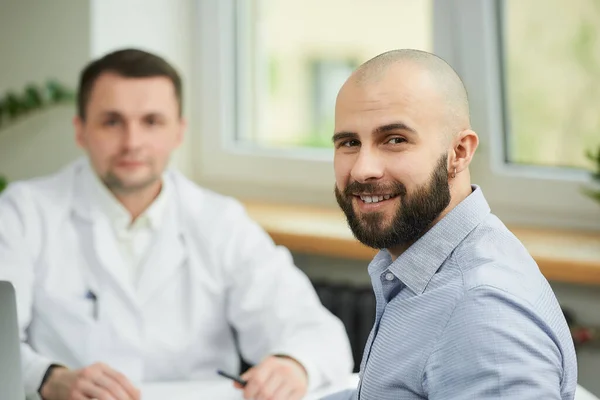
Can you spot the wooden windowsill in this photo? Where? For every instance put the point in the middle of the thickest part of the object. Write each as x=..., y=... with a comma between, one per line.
x=562, y=255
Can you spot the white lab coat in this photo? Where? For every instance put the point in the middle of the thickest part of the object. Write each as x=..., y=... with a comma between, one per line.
x=211, y=270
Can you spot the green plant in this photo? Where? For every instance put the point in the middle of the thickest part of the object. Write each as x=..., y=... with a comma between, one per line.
x=14, y=106
x=594, y=192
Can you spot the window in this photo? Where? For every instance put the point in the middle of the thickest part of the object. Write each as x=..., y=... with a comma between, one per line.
x=269, y=71
x=551, y=65
x=295, y=55
x=514, y=58
x=327, y=77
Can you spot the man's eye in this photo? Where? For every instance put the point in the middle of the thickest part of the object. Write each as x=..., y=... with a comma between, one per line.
x=111, y=122
x=151, y=121
x=350, y=143
x=396, y=140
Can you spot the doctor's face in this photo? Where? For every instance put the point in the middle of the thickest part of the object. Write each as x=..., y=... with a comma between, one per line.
x=131, y=127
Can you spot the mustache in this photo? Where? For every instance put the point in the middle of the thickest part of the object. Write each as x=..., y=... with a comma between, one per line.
x=368, y=188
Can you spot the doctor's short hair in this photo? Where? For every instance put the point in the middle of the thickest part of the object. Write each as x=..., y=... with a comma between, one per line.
x=128, y=63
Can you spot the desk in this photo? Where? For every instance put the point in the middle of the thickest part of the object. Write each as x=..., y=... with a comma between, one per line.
x=221, y=389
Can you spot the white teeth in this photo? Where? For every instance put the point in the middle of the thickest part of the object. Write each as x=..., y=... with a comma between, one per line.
x=375, y=199
x=367, y=199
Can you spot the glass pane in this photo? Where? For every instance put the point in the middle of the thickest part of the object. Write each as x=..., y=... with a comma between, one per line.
x=303, y=51
x=552, y=81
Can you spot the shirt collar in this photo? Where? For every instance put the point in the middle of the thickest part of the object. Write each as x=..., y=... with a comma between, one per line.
x=117, y=213
x=417, y=265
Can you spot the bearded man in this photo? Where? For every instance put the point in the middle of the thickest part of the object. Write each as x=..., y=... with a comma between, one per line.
x=463, y=311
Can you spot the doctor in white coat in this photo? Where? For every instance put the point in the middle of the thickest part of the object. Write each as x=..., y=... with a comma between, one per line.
x=126, y=271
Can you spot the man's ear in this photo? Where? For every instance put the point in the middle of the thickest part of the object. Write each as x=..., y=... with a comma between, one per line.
x=181, y=133
x=464, y=146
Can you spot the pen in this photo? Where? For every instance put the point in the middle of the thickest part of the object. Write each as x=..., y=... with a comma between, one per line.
x=232, y=377
x=94, y=299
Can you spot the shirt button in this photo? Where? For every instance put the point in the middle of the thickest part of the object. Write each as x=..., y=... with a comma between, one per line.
x=389, y=276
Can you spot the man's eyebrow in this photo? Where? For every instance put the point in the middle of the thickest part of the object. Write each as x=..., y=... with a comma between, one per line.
x=115, y=113
x=344, y=135
x=155, y=114
x=396, y=126
x=110, y=113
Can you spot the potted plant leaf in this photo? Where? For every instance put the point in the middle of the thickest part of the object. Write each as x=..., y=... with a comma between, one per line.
x=3, y=183
x=16, y=106
x=593, y=190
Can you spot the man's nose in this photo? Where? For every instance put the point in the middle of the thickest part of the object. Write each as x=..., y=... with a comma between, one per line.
x=134, y=136
x=368, y=166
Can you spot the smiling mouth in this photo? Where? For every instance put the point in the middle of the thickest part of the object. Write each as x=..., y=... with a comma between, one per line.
x=375, y=198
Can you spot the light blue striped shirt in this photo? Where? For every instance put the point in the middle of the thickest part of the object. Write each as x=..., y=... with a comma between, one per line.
x=465, y=313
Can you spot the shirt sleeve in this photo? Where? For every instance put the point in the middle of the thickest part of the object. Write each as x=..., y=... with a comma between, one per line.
x=16, y=266
x=274, y=308
x=494, y=346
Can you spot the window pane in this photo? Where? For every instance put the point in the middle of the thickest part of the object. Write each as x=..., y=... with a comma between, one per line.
x=552, y=81
x=293, y=56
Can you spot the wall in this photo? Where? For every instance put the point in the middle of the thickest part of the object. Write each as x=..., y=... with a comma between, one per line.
x=40, y=40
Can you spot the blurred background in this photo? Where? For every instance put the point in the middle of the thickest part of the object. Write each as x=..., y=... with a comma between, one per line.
x=260, y=81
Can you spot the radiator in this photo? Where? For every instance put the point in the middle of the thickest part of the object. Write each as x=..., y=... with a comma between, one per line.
x=355, y=306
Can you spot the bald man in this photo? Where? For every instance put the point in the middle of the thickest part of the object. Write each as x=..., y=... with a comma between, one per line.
x=463, y=311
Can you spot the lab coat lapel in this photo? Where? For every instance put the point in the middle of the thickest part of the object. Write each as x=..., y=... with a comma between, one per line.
x=104, y=262
x=103, y=257
x=110, y=257
x=166, y=256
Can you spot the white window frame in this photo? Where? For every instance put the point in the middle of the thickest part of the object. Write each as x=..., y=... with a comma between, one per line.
x=520, y=194
x=295, y=175
x=466, y=35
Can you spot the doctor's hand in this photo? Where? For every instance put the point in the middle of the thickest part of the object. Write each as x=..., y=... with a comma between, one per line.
x=275, y=378
x=98, y=381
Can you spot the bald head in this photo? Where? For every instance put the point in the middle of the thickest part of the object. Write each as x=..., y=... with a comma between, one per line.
x=402, y=135
x=445, y=81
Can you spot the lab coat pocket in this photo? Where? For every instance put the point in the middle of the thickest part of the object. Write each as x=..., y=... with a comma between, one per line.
x=68, y=323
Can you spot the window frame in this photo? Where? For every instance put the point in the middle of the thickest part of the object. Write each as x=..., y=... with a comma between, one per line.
x=519, y=194
x=466, y=35
x=241, y=172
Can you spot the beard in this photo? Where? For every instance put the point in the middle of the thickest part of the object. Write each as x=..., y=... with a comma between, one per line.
x=414, y=216
x=131, y=182
x=117, y=185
